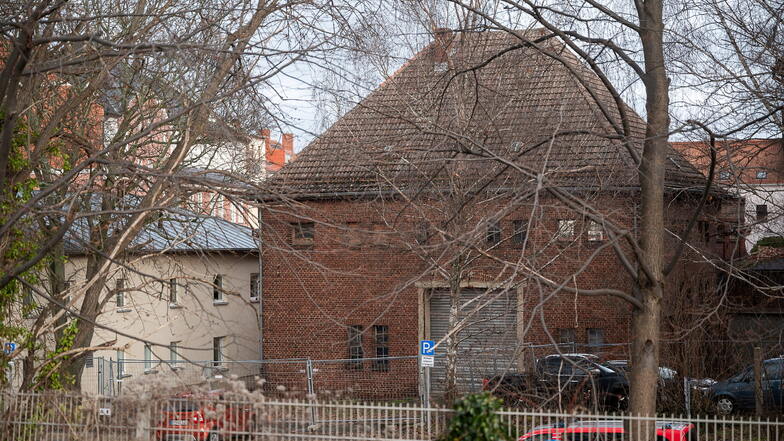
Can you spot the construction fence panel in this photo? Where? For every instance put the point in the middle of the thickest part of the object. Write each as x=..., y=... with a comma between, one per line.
x=253, y=416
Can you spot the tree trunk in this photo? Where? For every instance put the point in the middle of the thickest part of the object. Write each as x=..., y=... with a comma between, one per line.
x=452, y=340
x=646, y=321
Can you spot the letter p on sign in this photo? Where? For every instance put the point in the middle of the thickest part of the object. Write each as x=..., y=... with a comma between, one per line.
x=427, y=347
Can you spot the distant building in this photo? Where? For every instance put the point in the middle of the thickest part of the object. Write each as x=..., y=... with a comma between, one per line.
x=189, y=283
x=754, y=170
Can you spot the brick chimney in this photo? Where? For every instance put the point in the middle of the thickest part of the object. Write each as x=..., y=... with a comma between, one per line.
x=442, y=39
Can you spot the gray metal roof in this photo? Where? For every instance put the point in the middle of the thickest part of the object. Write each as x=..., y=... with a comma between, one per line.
x=175, y=231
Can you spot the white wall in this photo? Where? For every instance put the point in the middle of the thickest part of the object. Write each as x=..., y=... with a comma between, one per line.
x=193, y=322
x=771, y=195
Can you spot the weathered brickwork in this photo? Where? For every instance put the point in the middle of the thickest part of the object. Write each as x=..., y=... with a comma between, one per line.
x=364, y=266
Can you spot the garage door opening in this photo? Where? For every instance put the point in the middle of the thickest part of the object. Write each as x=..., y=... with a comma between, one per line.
x=486, y=344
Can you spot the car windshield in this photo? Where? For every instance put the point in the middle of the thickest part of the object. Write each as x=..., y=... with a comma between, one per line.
x=594, y=436
x=608, y=367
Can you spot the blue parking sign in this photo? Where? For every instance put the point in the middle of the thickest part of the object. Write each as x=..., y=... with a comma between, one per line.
x=9, y=347
x=427, y=347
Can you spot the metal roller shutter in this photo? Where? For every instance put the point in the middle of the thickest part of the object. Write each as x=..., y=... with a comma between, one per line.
x=487, y=345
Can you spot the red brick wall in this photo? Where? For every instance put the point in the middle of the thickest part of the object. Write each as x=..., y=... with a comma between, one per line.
x=311, y=293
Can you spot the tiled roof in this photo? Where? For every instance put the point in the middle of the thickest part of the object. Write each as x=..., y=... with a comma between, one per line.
x=408, y=132
x=175, y=231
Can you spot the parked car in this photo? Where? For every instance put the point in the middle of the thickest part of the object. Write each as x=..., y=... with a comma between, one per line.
x=609, y=430
x=666, y=375
x=196, y=417
x=574, y=374
x=737, y=392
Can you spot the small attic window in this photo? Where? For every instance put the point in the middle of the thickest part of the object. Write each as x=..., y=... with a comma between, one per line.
x=516, y=146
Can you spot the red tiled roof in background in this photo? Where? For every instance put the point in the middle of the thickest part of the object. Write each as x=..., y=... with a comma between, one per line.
x=739, y=161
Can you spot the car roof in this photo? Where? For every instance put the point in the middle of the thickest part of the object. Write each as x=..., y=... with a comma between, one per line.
x=573, y=355
x=619, y=423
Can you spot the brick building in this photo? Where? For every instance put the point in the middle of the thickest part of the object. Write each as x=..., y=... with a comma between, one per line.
x=481, y=170
x=752, y=169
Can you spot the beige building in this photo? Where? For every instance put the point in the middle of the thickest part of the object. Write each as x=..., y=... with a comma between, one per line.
x=192, y=292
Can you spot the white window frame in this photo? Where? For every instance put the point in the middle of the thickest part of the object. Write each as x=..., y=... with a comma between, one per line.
x=174, y=298
x=119, y=296
x=217, y=351
x=147, y=357
x=121, y=364
x=174, y=354
x=595, y=232
x=255, y=288
x=217, y=287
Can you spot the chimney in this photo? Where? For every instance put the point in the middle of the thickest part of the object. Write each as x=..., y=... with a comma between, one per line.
x=288, y=147
x=443, y=38
x=265, y=135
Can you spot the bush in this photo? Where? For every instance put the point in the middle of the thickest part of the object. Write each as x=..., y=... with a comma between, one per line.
x=770, y=241
x=476, y=419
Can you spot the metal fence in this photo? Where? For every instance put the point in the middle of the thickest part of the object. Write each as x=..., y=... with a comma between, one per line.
x=388, y=378
x=56, y=417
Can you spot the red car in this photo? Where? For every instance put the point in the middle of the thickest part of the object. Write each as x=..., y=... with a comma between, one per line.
x=606, y=430
x=200, y=418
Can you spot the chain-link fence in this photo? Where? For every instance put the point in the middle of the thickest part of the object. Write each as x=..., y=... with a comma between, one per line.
x=388, y=378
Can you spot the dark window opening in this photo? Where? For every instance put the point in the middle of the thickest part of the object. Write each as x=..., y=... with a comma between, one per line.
x=217, y=351
x=704, y=230
x=172, y=291
x=254, y=286
x=355, y=353
x=381, y=340
x=217, y=288
x=762, y=213
x=567, y=335
x=720, y=233
x=493, y=233
x=595, y=337
x=422, y=233
x=519, y=232
x=303, y=233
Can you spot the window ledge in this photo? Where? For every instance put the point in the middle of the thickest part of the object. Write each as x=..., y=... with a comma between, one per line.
x=150, y=371
x=121, y=376
x=124, y=310
x=254, y=300
x=175, y=306
x=220, y=302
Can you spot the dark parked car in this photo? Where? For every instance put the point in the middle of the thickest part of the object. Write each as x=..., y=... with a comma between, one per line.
x=575, y=375
x=737, y=392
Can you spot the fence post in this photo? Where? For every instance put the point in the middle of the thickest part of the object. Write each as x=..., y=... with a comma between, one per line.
x=143, y=417
x=311, y=390
x=758, y=405
x=111, y=377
